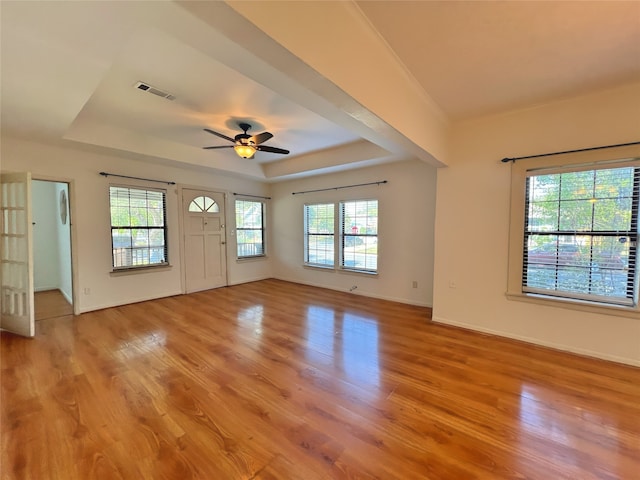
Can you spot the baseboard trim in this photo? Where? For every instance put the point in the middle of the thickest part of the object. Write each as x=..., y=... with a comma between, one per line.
x=248, y=280
x=93, y=308
x=534, y=341
x=154, y=297
x=67, y=297
x=45, y=289
x=362, y=294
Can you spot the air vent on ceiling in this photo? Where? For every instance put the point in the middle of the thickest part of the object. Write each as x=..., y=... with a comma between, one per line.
x=145, y=87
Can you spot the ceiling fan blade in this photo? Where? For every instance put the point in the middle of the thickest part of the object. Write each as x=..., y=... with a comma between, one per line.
x=261, y=137
x=218, y=146
x=265, y=148
x=219, y=135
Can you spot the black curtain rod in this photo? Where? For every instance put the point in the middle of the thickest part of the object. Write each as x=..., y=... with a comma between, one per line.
x=252, y=196
x=105, y=174
x=338, y=188
x=514, y=159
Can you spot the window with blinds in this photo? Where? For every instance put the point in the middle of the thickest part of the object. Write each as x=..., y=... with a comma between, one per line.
x=138, y=227
x=359, y=235
x=581, y=232
x=249, y=228
x=319, y=227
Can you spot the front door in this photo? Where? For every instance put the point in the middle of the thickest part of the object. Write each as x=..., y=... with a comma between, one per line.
x=204, y=239
x=16, y=255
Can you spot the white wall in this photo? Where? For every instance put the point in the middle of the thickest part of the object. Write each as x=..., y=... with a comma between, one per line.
x=405, y=237
x=472, y=222
x=51, y=240
x=46, y=268
x=90, y=216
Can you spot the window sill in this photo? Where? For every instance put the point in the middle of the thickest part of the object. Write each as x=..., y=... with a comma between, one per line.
x=347, y=271
x=137, y=270
x=358, y=272
x=573, y=304
x=319, y=267
x=251, y=259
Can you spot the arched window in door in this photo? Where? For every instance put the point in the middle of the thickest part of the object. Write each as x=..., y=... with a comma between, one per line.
x=204, y=204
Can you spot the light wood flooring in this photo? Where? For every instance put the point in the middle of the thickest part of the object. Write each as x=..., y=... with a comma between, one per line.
x=274, y=380
x=51, y=304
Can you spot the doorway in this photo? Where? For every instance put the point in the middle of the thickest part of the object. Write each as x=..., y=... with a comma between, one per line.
x=52, y=268
x=205, y=252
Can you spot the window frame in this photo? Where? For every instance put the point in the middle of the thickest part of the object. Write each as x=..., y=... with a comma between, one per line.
x=163, y=227
x=307, y=234
x=203, y=208
x=343, y=236
x=338, y=238
x=620, y=157
x=262, y=228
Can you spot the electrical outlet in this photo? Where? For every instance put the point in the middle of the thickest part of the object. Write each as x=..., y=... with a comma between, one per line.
x=87, y=291
x=452, y=284
x=415, y=284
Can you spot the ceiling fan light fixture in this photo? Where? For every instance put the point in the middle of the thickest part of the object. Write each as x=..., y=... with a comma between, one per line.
x=244, y=144
x=245, y=151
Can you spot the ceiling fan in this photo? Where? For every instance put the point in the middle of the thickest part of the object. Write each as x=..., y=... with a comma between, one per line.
x=246, y=145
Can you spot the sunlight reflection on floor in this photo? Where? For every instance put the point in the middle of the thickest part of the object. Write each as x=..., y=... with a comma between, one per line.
x=348, y=342
x=142, y=345
x=547, y=415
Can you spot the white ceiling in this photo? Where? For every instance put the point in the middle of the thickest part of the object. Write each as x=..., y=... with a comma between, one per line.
x=68, y=71
x=480, y=57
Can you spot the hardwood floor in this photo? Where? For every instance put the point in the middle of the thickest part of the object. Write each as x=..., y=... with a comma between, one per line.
x=273, y=380
x=51, y=304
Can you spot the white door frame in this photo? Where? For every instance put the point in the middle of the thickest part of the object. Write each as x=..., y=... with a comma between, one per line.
x=183, y=268
x=71, y=198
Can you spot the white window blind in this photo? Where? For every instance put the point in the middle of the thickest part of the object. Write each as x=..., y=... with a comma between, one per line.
x=138, y=227
x=359, y=235
x=319, y=229
x=581, y=232
x=249, y=228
